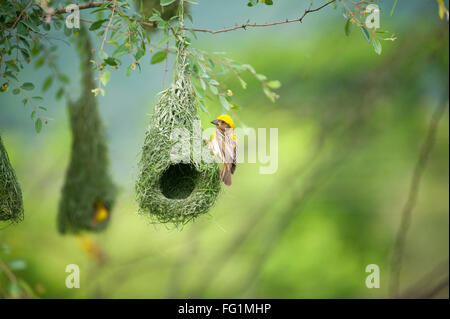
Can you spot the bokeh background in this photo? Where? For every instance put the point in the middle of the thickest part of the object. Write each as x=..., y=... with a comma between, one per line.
x=351, y=125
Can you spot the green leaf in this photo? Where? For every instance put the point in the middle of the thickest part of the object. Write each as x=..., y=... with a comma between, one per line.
x=113, y=43
x=59, y=94
x=274, y=84
x=111, y=61
x=47, y=83
x=158, y=57
x=13, y=66
x=224, y=102
x=203, y=84
x=249, y=68
x=347, y=28
x=63, y=78
x=261, y=77
x=16, y=91
x=105, y=77
x=269, y=94
x=243, y=83
x=393, y=7
x=39, y=62
x=27, y=86
x=166, y=2
x=164, y=40
x=155, y=18
x=121, y=50
x=202, y=106
x=377, y=46
x=97, y=24
x=38, y=125
x=103, y=55
x=214, y=89
x=366, y=34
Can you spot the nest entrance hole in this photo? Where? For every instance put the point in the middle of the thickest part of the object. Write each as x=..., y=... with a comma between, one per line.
x=178, y=181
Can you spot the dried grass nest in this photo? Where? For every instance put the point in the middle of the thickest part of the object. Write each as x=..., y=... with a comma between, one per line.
x=170, y=192
x=11, y=203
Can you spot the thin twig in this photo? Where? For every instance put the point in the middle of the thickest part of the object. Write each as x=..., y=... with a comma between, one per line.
x=7, y=272
x=21, y=13
x=436, y=289
x=166, y=67
x=255, y=25
x=397, y=256
x=104, y=40
x=417, y=289
x=82, y=6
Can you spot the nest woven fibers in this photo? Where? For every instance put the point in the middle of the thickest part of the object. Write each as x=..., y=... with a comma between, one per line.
x=167, y=191
x=11, y=203
x=88, y=193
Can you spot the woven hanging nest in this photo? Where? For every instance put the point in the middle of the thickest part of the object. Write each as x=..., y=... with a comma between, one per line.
x=11, y=203
x=170, y=192
x=88, y=193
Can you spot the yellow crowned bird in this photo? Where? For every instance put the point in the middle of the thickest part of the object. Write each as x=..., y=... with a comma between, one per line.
x=224, y=145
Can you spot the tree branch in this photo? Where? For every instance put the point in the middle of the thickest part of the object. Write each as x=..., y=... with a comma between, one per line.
x=82, y=6
x=255, y=25
x=397, y=256
x=426, y=285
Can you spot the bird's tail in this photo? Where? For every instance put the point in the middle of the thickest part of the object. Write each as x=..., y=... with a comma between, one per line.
x=225, y=173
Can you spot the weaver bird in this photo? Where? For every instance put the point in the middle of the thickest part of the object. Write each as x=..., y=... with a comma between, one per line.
x=224, y=145
x=100, y=212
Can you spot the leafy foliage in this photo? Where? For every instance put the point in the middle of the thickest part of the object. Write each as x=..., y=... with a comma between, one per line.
x=357, y=13
x=252, y=3
x=28, y=29
x=12, y=285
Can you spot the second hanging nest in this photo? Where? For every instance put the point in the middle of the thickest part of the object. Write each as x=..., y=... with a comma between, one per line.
x=88, y=193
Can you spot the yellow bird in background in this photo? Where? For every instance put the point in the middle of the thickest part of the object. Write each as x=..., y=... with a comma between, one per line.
x=224, y=145
x=101, y=212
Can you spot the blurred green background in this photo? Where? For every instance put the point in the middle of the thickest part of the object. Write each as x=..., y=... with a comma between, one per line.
x=351, y=125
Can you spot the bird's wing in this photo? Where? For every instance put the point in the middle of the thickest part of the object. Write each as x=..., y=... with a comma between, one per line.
x=229, y=149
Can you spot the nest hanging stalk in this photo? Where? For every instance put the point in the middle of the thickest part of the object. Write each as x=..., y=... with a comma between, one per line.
x=146, y=9
x=167, y=191
x=11, y=204
x=88, y=193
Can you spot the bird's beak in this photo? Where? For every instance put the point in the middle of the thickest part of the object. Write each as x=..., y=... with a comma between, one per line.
x=215, y=122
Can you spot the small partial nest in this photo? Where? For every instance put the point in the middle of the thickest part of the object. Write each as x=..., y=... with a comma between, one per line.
x=172, y=192
x=11, y=203
x=88, y=193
